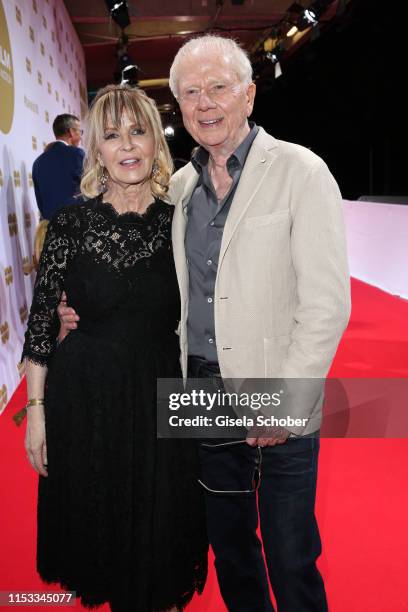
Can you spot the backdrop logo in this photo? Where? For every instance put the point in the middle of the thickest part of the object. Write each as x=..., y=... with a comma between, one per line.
x=6, y=76
x=18, y=15
x=5, y=332
x=13, y=227
x=27, y=268
x=8, y=275
x=23, y=313
x=3, y=397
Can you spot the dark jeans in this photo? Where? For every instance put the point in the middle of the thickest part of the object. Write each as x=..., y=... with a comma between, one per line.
x=285, y=512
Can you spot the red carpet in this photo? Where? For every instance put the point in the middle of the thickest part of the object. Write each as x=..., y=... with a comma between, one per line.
x=362, y=503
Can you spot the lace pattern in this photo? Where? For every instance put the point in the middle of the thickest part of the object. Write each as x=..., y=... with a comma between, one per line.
x=97, y=230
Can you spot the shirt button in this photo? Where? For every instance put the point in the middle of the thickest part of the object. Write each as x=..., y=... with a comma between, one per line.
x=209, y=300
x=212, y=223
x=210, y=340
x=209, y=262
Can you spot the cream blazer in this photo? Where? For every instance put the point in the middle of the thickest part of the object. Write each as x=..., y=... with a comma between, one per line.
x=282, y=291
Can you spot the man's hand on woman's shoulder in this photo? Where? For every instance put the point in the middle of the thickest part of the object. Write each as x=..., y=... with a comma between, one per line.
x=68, y=318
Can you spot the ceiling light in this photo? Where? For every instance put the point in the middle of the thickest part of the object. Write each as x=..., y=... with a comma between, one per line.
x=118, y=10
x=275, y=55
x=292, y=31
x=307, y=19
x=169, y=131
x=310, y=16
x=124, y=61
x=130, y=75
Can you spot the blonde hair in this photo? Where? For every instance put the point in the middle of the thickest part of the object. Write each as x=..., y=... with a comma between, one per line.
x=39, y=241
x=108, y=107
x=205, y=45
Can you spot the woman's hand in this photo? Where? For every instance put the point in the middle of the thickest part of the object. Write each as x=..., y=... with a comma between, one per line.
x=35, y=443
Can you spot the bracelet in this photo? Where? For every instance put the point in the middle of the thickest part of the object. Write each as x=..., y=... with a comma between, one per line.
x=35, y=402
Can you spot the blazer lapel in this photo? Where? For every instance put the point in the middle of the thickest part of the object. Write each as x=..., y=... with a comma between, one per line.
x=260, y=157
x=178, y=235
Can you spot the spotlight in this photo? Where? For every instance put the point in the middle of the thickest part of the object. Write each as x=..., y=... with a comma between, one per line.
x=169, y=131
x=308, y=18
x=130, y=75
x=119, y=12
x=275, y=55
x=292, y=31
x=123, y=60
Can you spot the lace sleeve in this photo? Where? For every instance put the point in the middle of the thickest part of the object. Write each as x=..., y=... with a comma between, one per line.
x=58, y=250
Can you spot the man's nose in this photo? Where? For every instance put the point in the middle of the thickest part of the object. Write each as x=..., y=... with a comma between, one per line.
x=205, y=101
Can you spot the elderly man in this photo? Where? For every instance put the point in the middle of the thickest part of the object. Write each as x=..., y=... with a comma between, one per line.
x=261, y=260
x=260, y=255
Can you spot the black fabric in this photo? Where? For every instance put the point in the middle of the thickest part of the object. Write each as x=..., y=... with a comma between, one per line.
x=284, y=511
x=120, y=515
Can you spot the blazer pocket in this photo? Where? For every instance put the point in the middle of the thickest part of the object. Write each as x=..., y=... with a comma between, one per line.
x=265, y=220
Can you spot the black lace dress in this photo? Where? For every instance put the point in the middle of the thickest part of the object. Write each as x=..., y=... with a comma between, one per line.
x=120, y=515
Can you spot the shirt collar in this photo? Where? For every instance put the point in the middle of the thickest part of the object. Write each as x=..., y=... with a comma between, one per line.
x=201, y=155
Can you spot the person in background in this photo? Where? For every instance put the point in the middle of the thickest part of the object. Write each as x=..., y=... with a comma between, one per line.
x=57, y=171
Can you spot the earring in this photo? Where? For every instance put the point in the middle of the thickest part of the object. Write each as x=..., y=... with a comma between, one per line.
x=103, y=180
x=155, y=169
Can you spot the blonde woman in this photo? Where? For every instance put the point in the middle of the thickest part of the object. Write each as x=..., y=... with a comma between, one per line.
x=120, y=515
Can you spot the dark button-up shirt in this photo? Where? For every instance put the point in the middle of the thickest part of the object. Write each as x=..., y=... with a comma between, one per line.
x=206, y=221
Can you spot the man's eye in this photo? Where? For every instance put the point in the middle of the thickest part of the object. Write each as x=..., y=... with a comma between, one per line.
x=218, y=88
x=191, y=92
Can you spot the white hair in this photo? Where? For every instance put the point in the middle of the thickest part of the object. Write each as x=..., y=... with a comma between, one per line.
x=204, y=45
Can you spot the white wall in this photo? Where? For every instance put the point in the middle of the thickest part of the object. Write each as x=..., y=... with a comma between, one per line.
x=377, y=240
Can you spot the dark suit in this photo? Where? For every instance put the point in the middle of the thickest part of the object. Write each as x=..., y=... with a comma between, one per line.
x=56, y=175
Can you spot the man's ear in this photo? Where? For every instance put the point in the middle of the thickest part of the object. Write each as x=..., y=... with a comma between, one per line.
x=250, y=93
